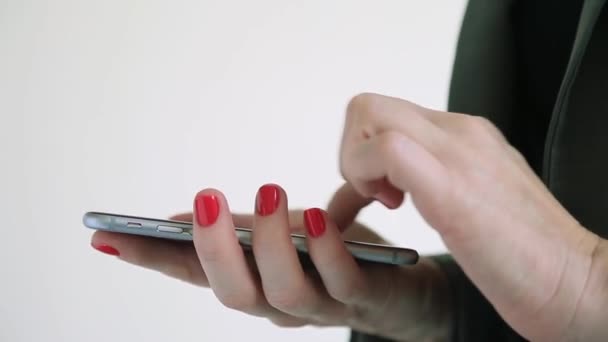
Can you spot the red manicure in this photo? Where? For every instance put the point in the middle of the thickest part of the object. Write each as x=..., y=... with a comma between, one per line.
x=107, y=249
x=207, y=209
x=267, y=200
x=315, y=222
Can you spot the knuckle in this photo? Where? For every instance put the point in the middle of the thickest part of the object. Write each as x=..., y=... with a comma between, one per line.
x=239, y=301
x=479, y=125
x=517, y=156
x=362, y=109
x=287, y=322
x=284, y=300
x=288, y=301
x=482, y=130
x=350, y=293
x=210, y=253
x=361, y=103
x=481, y=120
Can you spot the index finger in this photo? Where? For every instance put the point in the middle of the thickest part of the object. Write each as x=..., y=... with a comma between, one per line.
x=345, y=205
x=369, y=114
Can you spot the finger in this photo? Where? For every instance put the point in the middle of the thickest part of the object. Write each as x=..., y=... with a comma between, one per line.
x=339, y=272
x=371, y=114
x=173, y=258
x=345, y=205
x=297, y=322
x=222, y=258
x=290, y=322
x=387, y=194
x=285, y=284
x=406, y=164
x=343, y=208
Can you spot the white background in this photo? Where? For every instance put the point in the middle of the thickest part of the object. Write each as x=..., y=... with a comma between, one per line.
x=133, y=106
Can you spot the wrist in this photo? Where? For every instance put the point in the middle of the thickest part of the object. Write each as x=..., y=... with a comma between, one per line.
x=588, y=322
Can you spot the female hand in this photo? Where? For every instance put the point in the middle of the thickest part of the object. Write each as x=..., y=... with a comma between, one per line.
x=544, y=273
x=403, y=303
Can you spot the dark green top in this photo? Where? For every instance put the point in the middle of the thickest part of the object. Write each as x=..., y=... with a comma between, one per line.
x=543, y=34
x=538, y=69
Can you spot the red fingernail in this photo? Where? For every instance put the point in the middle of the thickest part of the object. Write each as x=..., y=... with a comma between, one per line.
x=107, y=249
x=207, y=209
x=314, y=221
x=267, y=200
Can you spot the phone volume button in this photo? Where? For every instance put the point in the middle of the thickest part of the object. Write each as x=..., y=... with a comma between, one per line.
x=169, y=229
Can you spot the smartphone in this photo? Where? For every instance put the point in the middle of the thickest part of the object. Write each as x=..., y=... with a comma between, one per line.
x=176, y=230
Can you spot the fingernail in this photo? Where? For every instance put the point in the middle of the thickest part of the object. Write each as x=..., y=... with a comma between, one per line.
x=207, y=209
x=314, y=221
x=107, y=249
x=267, y=199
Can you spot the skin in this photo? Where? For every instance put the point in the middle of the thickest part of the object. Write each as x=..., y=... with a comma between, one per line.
x=545, y=274
x=273, y=284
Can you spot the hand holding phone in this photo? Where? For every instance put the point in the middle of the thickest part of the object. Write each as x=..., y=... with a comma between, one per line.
x=293, y=281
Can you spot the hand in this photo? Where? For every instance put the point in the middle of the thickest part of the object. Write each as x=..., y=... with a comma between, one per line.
x=534, y=262
x=403, y=303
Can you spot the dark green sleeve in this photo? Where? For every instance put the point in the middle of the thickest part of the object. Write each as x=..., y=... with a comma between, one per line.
x=474, y=319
